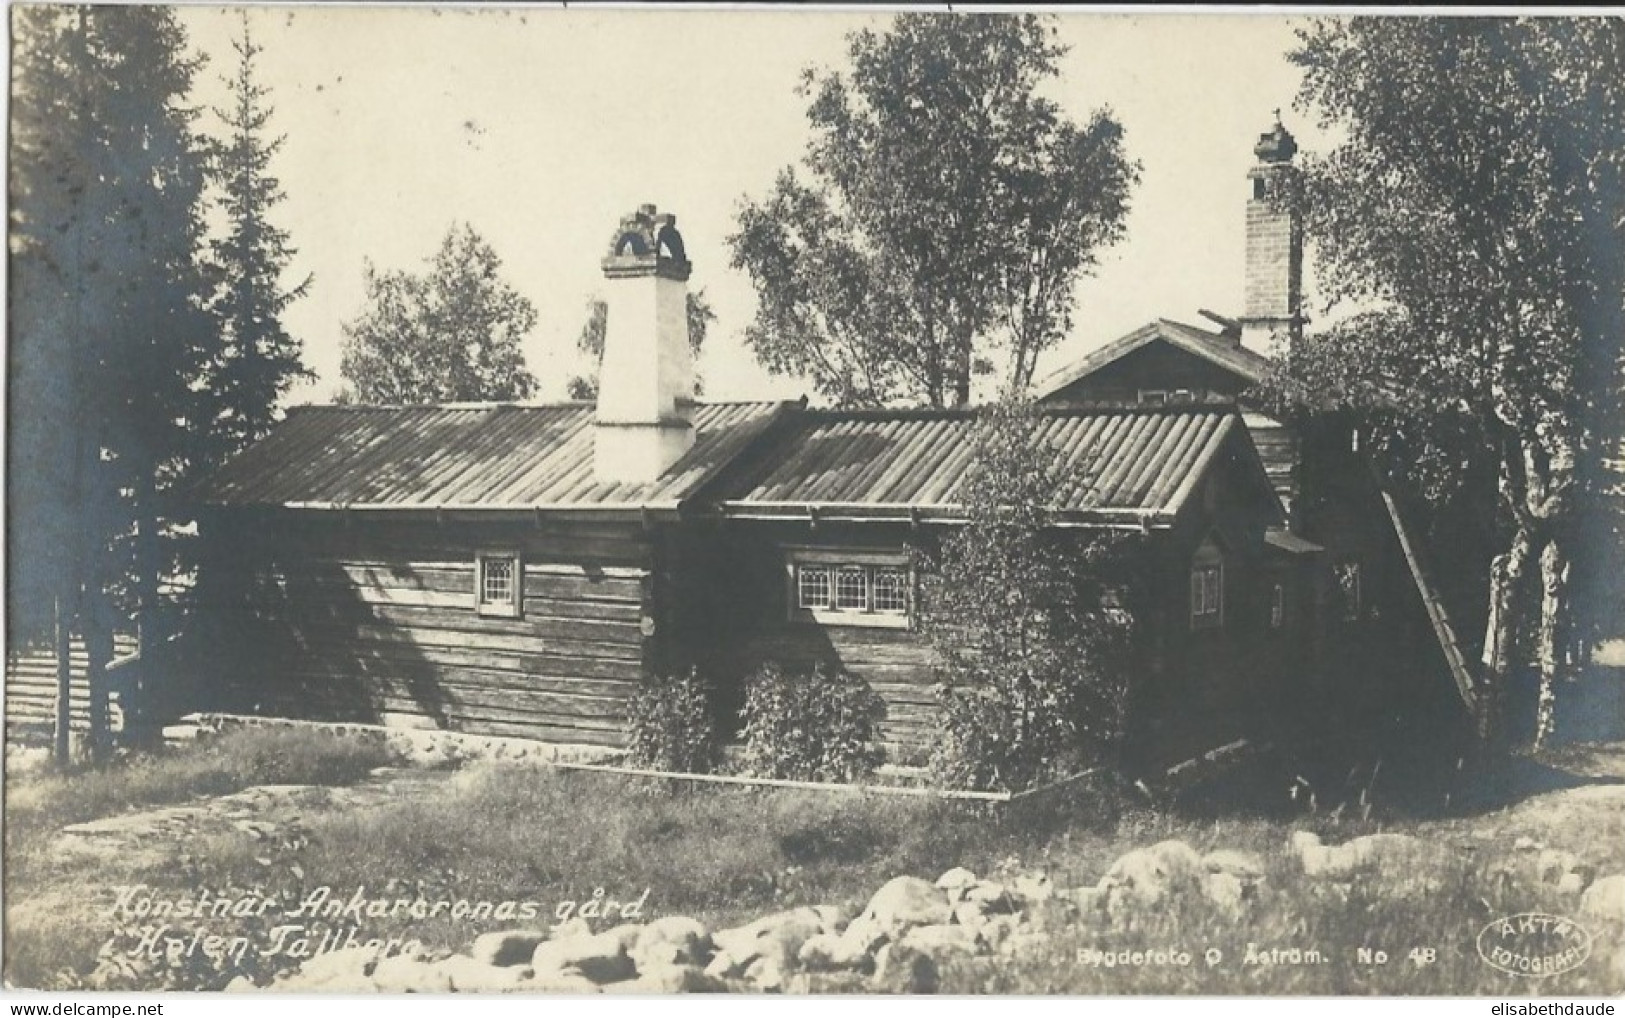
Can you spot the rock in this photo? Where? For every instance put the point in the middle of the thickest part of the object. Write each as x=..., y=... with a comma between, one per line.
x=470, y=975
x=601, y=958
x=780, y=936
x=998, y=930
x=672, y=941
x=1030, y=888
x=941, y=940
x=1148, y=878
x=1225, y=891
x=628, y=935
x=1245, y=866
x=903, y=902
x=565, y=981
x=1553, y=863
x=1373, y=851
x=670, y=979
x=1085, y=899
x=239, y=984
x=826, y=952
x=995, y=895
x=506, y=947
x=956, y=881
x=570, y=929
x=899, y=969
x=347, y=970
x=1571, y=883
x=769, y=972
x=1525, y=844
x=1605, y=900
x=971, y=914
x=827, y=982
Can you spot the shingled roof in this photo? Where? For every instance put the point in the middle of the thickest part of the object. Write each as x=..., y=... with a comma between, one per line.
x=497, y=456
x=1125, y=465
x=1210, y=346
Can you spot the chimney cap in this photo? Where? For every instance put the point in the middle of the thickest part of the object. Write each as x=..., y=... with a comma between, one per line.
x=1277, y=144
x=647, y=243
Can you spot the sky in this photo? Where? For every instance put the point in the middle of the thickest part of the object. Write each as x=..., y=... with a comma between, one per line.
x=542, y=127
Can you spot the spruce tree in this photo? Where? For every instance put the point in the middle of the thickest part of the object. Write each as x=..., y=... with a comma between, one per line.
x=257, y=360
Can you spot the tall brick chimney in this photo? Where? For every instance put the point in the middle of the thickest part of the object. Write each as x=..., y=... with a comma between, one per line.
x=646, y=382
x=1273, y=298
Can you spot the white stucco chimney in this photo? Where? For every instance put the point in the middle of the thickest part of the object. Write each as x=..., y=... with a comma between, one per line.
x=646, y=381
x=1272, y=305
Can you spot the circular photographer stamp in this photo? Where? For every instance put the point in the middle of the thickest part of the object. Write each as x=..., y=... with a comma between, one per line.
x=1534, y=944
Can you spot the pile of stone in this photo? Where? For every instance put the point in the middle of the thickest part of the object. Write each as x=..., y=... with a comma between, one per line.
x=900, y=942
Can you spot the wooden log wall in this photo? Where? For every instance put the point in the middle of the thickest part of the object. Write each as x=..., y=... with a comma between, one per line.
x=31, y=686
x=381, y=626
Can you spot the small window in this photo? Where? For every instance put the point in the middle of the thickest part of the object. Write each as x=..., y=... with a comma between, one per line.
x=1181, y=396
x=499, y=585
x=859, y=588
x=1207, y=595
x=1277, y=606
x=891, y=591
x=1154, y=397
x=813, y=584
x=852, y=589
x=1347, y=574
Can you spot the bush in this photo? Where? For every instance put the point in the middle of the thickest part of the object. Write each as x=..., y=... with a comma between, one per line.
x=671, y=726
x=818, y=727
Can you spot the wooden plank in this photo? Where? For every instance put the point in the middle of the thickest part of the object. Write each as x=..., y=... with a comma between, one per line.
x=459, y=698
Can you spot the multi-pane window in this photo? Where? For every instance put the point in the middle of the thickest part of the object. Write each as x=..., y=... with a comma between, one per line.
x=891, y=590
x=831, y=590
x=1207, y=595
x=498, y=581
x=813, y=586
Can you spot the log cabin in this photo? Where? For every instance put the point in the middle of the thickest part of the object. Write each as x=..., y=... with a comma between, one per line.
x=518, y=569
x=1350, y=575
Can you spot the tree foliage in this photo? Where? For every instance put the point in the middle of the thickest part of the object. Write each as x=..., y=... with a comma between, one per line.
x=1029, y=620
x=1475, y=207
x=108, y=332
x=593, y=331
x=940, y=218
x=452, y=334
x=257, y=360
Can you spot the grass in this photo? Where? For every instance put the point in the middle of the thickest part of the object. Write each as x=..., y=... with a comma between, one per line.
x=550, y=838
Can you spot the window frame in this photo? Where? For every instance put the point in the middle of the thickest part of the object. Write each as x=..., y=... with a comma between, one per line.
x=512, y=608
x=1277, y=604
x=1208, y=561
x=838, y=562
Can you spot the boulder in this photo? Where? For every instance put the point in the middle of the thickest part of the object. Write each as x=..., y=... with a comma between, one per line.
x=826, y=952
x=1225, y=891
x=1372, y=852
x=1245, y=866
x=941, y=940
x=470, y=975
x=506, y=947
x=780, y=936
x=672, y=941
x=570, y=929
x=601, y=958
x=1571, y=883
x=1605, y=900
x=564, y=981
x=347, y=970
x=408, y=974
x=827, y=982
x=994, y=895
x=955, y=882
x=1148, y=878
x=670, y=979
x=900, y=969
x=904, y=902
x=1032, y=887
x=770, y=972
